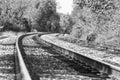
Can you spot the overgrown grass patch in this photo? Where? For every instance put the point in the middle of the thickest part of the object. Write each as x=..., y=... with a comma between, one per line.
x=68, y=38
x=111, y=46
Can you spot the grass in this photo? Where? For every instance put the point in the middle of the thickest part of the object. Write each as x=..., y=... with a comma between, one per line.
x=98, y=46
x=9, y=37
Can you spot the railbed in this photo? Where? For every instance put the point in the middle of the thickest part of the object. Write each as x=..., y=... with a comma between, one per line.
x=106, y=63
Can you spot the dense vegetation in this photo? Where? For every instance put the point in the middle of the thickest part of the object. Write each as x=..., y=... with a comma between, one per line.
x=11, y=15
x=26, y=15
x=97, y=21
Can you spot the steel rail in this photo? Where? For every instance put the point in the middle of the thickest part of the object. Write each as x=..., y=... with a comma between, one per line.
x=23, y=73
x=103, y=67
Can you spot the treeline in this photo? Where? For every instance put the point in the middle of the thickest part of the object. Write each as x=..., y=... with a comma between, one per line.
x=11, y=16
x=27, y=15
x=30, y=15
x=92, y=20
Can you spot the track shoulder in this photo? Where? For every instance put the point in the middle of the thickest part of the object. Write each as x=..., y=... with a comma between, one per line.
x=24, y=73
x=90, y=56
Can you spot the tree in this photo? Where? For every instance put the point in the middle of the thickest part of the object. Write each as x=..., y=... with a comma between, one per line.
x=45, y=10
x=66, y=23
x=99, y=17
x=12, y=12
x=53, y=23
x=39, y=14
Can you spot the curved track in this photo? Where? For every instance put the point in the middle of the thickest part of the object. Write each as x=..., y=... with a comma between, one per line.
x=41, y=62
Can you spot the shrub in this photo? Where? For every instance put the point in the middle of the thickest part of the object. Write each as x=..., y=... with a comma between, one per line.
x=66, y=24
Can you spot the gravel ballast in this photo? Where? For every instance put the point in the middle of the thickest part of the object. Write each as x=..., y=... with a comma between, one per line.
x=49, y=65
x=7, y=65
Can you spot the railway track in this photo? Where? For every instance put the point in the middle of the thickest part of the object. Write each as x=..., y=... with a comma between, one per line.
x=8, y=61
x=30, y=59
x=41, y=62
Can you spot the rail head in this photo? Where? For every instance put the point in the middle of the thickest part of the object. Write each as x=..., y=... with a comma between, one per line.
x=24, y=73
x=114, y=70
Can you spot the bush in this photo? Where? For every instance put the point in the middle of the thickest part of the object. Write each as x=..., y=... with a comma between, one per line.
x=66, y=24
x=77, y=31
x=68, y=38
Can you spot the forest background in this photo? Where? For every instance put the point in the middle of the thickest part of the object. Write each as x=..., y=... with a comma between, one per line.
x=93, y=21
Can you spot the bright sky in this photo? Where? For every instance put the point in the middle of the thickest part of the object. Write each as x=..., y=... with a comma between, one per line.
x=65, y=6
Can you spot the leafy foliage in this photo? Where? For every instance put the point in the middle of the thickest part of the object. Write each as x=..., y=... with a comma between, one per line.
x=11, y=17
x=99, y=17
x=66, y=23
x=24, y=15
